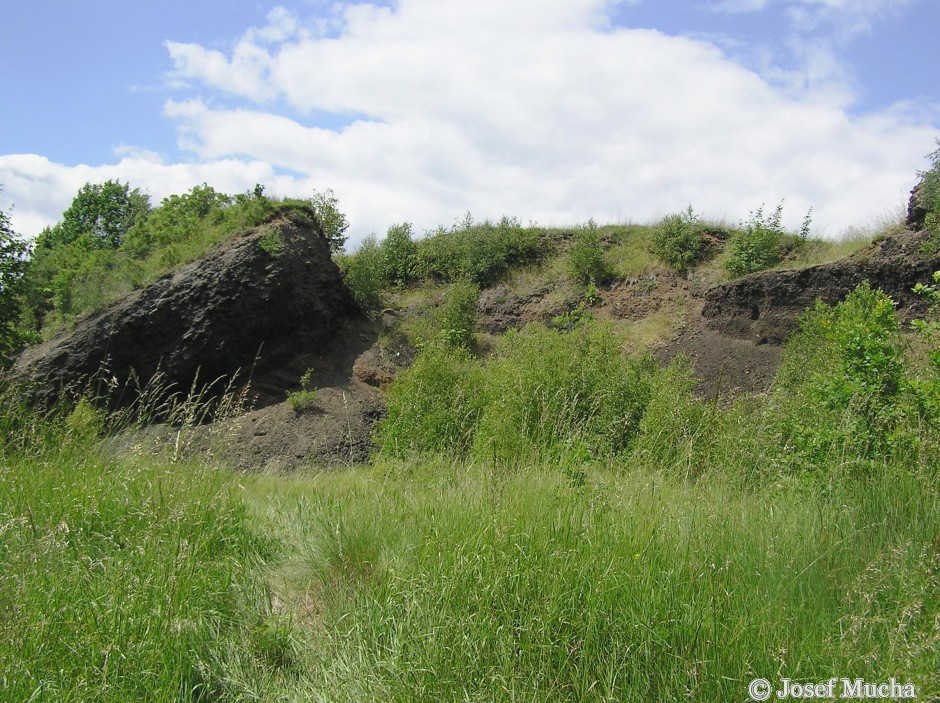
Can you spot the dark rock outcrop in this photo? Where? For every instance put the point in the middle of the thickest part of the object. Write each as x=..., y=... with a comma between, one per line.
x=259, y=298
x=916, y=210
x=766, y=306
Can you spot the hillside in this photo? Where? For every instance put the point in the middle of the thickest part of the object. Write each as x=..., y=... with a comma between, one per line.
x=271, y=312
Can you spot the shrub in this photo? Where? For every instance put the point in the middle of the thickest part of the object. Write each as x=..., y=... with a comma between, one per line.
x=586, y=257
x=178, y=218
x=930, y=329
x=561, y=396
x=305, y=399
x=927, y=201
x=758, y=245
x=678, y=240
x=675, y=426
x=843, y=381
x=13, y=252
x=433, y=407
x=480, y=253
x=363, y=273
x=271, y=243
x=545, y=395
x=929, y=193
x=399, y=255
x=926, y=385
x=458, y=315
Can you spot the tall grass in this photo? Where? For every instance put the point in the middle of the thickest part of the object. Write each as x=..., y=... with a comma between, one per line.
x=122, y=578
x=696, y=548
x=439, y=581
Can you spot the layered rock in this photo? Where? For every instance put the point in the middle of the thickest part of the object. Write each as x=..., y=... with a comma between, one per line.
x=767, y=306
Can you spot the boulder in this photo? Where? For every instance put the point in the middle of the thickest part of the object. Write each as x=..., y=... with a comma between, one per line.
x=256, y=299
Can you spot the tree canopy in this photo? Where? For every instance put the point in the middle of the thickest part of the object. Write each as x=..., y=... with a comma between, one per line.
x=103, y=212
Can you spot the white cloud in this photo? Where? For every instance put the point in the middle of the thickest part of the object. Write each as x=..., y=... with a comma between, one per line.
x=735, y=6
x=533, y=108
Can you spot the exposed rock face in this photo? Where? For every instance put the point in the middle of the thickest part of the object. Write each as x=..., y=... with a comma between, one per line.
x=766, y=306
x=916, y=211
x=257, y=299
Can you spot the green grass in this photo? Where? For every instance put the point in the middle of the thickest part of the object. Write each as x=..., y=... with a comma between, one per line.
x=680, y=569
x=630, y=254
x=440, y=581
x=656, y=328
x=790, y=535
x=121, y=578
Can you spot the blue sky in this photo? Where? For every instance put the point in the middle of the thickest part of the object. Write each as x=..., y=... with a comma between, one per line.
x=549, y=110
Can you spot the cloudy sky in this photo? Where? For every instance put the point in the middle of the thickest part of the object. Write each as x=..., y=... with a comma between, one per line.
x=552, y=111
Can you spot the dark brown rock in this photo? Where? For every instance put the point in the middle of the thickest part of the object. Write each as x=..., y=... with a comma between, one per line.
x=255, y=300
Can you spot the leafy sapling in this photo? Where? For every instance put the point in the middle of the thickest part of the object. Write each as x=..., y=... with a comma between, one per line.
x=305, y=399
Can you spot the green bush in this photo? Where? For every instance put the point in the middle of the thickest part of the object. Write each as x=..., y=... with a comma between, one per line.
x=844, y=388
x=929, y=194
x=433, y=407
x=178, y=219
x=480, y=253
x=678, y=240
x=676, y=428
x=271, y=243
x=332, y=220
x=927, y=197
x=567, y=396
x=586, y=256
x=305, y=399
x=399, y=255
x=758, y=245
x=458, y=315
x=13, y=252
x=546, y=394
x=363, y=271
x=929, y=329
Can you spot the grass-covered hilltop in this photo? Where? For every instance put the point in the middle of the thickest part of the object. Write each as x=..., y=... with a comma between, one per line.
x=529, y=464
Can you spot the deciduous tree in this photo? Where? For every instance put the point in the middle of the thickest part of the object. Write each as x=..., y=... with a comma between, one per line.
x=13, y=261
x=103, y=211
